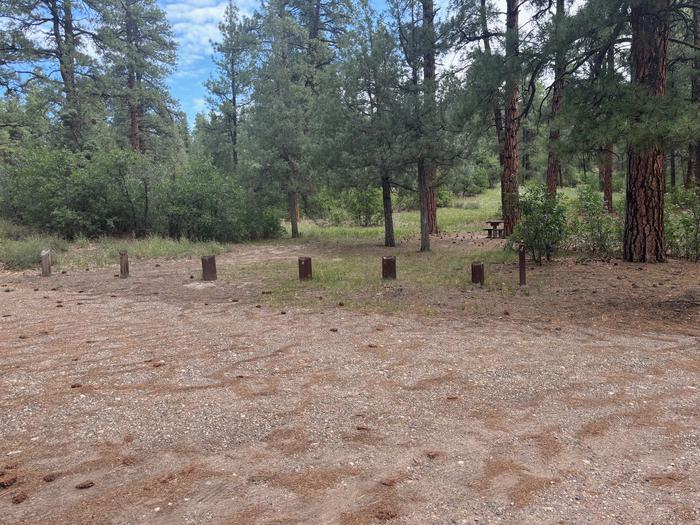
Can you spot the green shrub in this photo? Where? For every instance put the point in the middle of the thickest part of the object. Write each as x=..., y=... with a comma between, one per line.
x=542, y=227
x=120, y=191
x=204, y=205
x=364, y=206
x=594, y=231
x=445, y=197
x=683, y=223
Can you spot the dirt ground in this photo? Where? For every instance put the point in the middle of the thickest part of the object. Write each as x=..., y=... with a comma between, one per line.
x=161, y=399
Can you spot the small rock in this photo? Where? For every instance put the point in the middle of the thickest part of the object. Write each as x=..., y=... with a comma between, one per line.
x=85, y=485
x=50, y=478
x=19, y=498
x=76, y=385
x=334, y=329
x=7, y=483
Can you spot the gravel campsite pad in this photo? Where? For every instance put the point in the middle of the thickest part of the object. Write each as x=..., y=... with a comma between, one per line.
x=160, y=399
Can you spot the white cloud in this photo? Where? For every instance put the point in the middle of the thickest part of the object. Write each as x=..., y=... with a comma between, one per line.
x=196, y=23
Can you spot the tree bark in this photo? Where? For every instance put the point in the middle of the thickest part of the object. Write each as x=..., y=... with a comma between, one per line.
x=511, y=147
x=696, y=80
x=606, y=175
x=553, y=163
x=132, y=83
x=64, y=39
x=644, y=221
x=497, y=115
x=423, y=191
x=293, y=203
x=688, y=175
x=429, y=109
x=388, y=212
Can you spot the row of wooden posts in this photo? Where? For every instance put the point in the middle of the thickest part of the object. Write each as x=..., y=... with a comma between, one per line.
x=305, y=267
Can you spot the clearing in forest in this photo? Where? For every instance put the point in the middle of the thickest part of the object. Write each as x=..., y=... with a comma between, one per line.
x=346, y=399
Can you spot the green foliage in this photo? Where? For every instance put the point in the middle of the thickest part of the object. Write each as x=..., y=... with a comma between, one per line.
x=204, y=205
x=594, y=231
x=683, y=223
x=364, y=205
x=18, y=254
x=121, y=191
x=543, y=225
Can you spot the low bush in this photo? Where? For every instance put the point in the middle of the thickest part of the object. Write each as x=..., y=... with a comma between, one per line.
x=120, y=191
x=542, y=227
x=594, y=232
x=364, y=206
x=683, y=223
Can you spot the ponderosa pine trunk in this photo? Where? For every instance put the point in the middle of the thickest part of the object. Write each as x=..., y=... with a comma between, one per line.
x=496, y=108
x=132, y=40
x=389, y=240
x=293, y=207
x=430, y=93
x=511, y=147
x=423, y=192
x=644, y=220
x=553, y=163
x=606, y=176
x=63, y=33
x=696, y=81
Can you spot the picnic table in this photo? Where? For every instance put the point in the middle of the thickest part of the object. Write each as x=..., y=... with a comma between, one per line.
x=494, y=231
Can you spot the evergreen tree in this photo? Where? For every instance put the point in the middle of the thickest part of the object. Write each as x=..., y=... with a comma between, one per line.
x=230, y=88
x=139, y=50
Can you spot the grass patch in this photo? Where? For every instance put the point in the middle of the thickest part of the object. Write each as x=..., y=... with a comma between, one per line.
x=26, y=252
x=355, y=279
x=105, y=251
x=467, y=215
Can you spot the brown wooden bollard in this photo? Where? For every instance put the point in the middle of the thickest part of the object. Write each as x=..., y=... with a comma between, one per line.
x=123, y=265
x=478, y=273
x=46, y=263
x=305, y=270
x=522, y=262
x=389, y=267
x=209, y=268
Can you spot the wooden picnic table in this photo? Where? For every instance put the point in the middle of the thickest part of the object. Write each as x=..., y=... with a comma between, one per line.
x=494, y=232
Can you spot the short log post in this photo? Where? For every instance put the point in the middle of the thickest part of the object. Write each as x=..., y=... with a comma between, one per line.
x=389, y=267
x=522, y=263
x=123, y=265
x=209, y=268
x=478, y=273
x=46, y=263
x=305, y=270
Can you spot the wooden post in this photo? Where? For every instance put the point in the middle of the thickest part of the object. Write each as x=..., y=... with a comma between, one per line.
x=389, y=267
x=305, y=270
x=522, y=263
x=46, y=263
x=209, y=268
x=123, y=265
x=478, y=273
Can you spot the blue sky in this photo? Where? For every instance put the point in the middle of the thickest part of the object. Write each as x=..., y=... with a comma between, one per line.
x=195, y=24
